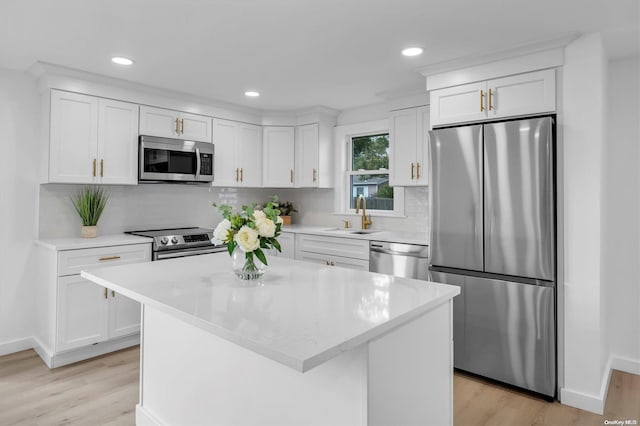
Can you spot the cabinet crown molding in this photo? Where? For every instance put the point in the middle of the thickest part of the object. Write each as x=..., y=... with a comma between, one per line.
x=516, y=60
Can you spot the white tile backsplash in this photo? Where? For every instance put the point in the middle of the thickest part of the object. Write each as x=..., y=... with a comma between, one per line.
x=165, y=205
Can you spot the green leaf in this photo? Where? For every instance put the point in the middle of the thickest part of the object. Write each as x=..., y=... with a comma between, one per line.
x=260, y=255
x=231, y=246
x=275, y=244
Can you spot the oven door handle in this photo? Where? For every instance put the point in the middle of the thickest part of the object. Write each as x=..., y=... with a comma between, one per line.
x=198, y=165
x=185, y=253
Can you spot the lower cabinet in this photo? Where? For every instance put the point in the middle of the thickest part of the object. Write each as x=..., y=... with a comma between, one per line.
x=333, y=251
x=287, y=246
x=79, y=319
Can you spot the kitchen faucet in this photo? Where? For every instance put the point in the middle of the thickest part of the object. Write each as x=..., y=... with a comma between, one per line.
x=365, y=221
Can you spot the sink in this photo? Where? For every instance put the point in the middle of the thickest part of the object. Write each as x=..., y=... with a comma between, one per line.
x=347, y=231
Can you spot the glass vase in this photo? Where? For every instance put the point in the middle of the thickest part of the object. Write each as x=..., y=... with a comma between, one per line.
x=246, y=267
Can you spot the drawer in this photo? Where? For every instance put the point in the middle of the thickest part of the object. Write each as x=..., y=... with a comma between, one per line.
x=333, y=246
x=71, y=262
x=343, y=262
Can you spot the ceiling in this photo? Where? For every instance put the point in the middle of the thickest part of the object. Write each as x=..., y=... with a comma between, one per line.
x=296, y=53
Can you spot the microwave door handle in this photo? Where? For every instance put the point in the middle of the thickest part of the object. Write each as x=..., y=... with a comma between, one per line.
x=198, y=164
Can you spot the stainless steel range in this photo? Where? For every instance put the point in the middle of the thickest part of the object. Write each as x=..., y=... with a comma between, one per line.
x=180, y=242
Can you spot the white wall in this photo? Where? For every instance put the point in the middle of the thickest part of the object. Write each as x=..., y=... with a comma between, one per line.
x=18, y=206
x=621, y=210
x=582, y=123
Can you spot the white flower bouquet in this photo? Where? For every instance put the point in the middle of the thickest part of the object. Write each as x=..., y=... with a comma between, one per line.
x=251, y=230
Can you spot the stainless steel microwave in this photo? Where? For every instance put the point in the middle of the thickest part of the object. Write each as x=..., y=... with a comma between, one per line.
x=174, y=160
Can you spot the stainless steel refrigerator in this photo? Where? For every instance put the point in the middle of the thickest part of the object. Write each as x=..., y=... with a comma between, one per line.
x=493, y=234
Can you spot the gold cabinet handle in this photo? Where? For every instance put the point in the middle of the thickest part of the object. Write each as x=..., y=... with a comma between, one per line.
x=291, y=175
x=177, y=125
x=332, y=264
x=481, y=100
x=102, y=259
x=106, y=293
x=417, y=170
x=182, y=126
x=113, y=293
x=94, y=167
x=490, y=100
x=315, y=175
x=102, y=168
x=237, y=171
x=241, y=174
x=412, y=174
x=326, y=262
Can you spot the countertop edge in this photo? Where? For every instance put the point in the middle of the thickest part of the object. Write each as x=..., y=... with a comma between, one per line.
x=300, y=365
x=61, y=244
x=406, y=237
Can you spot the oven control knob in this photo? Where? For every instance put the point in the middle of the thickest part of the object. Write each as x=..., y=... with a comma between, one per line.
x=164, y=241
x=174, y=240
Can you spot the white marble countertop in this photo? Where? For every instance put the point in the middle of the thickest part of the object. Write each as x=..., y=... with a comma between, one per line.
x=299, y=314
x=421, y=238
x=99, y=241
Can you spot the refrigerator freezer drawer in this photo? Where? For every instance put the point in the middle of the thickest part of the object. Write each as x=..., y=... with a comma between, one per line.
x=505, y=331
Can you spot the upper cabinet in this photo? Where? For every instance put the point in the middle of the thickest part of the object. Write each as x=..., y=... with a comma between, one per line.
x=237, y=154
x=523, y=94
x=92, y=140
x=408, y=145
x=175, y=124
x=307, y=153
x=278, y=157
x=299, y=157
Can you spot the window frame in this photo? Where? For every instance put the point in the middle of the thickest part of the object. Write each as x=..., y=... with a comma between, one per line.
x=398, y=192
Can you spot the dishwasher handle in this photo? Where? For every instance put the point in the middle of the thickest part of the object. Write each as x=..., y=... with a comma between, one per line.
x=399, y=249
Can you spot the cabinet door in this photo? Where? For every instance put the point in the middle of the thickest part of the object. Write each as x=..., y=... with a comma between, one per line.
x=249, y=154
x=74, y=138
x=195, y=127
x=81, y=313
x=124, y=315
x=458, y=104
x=159, y=122
x=278, y=157
x=422, y=147
x=287, y=245
x=117, y=142
x=530, y=93
x=225, y=139
x=403, y=134
x=307, y=155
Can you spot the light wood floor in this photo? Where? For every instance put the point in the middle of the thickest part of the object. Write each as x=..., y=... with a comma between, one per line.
x=104, y=391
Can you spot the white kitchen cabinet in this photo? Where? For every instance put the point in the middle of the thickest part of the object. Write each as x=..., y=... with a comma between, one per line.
x=523, y=94
x=307, y=153
x=237, y=154
x=333, y=251
x=175, y=124
x=92, y=140
x=82, y=313
x=73, y=143
x=117, y=142
x=278, y=167
x=408, y=138
x=287, y=246
x=78, y=319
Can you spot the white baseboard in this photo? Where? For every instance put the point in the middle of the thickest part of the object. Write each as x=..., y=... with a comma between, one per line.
x=625, y=364
x=145, y=418
x=595, y=403
x=44, y=352
x=86, y=352
x=17, y=345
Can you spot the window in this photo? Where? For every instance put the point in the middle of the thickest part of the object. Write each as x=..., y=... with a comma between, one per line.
x=368, y=173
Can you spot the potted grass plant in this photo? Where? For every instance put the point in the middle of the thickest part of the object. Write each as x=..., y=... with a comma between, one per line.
x=90, y=203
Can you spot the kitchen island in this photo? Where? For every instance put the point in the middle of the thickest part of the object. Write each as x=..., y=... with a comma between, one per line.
x=307, y=344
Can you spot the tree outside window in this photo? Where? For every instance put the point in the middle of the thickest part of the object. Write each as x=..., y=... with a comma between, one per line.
x=369, y=173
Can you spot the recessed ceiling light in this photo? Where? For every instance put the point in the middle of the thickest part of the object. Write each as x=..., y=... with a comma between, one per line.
x=121, y=61
x=251, y=94
x=412, y=51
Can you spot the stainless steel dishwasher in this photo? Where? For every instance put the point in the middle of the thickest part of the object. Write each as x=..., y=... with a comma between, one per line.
x=401, y=260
